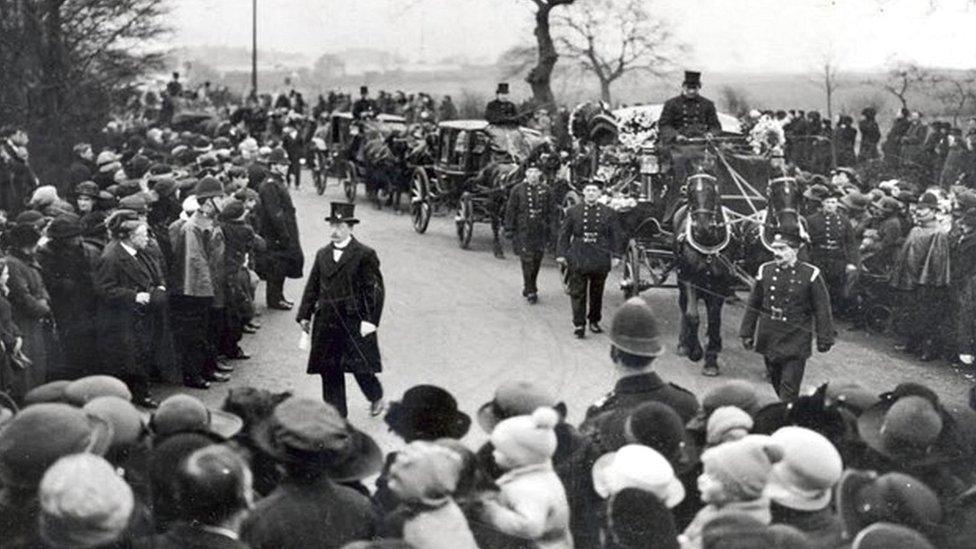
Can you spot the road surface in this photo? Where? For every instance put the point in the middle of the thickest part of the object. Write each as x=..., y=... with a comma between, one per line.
x=456, y=318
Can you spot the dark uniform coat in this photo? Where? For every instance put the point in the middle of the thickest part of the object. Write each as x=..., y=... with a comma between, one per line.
x=340, y=296
x=499, y=111
x=690, y=117
x=132, y=338
x=589, y=238
x=280, y=230
x=527, y=217
x=833, y=246
x=785, y=306
x=632, y=391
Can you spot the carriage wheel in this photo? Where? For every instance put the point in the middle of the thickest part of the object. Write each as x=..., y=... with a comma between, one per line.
x=631, y=283
x=419, y=202
x=465, y=223
x=350, y=183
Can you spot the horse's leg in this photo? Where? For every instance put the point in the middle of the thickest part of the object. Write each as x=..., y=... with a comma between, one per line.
x=496, y=224
x=683, y=330
x=713, y=306
x=690, y=321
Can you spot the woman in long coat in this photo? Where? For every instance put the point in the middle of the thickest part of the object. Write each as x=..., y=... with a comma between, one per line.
x=30, y=302
x=279, y=228
x=133, y=336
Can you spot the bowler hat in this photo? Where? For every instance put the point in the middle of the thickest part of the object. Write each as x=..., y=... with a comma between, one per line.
x=634, y=329
x=502, y=88
x=692, y=78
x=864, y=498
x=40, y=434
x=427, y=412
x=64, y=226
x=342, y=212
x=86, y=188
x=83, y=390
x=309, y=431
x=515, y=398
x=184, y=413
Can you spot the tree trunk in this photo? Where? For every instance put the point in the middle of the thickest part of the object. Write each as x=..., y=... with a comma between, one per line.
x=539, y=78
x=605, y=90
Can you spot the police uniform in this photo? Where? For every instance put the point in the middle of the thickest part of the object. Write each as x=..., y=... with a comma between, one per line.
x=589, y=238
x=527, y=217
x=629, y=393
x=785, y=306
x=689, y=117
x=832, y=248
x=501, y=111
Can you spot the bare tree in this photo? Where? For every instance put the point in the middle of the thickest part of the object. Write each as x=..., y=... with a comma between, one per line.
x=902, y=79
x=540, y=76
x=956, y=91
x=610, y=38
x=830, y=80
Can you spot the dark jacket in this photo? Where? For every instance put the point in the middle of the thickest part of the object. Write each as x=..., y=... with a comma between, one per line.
x=317, y=515
x=185, y=536
x=11, y=379
x=589, y=238
x=870, y=136
x=341, y=296
x=923, y=259
x=131, y=337
x=823, y=528
x=17, y=181
x=501, y=112
x=689, y=117
x=784, y=307
x=279, y=228
x=31, y=307
x=527, y=217
x=832, y=237
x=632, y=391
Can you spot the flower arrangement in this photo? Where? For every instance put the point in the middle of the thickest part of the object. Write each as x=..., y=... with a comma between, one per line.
x=636, y=129
x=767, y=136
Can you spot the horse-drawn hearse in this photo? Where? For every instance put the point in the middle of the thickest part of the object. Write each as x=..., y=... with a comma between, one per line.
x=475, y=165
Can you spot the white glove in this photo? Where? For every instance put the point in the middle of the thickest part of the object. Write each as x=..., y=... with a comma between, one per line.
x=366, y=328
x=967, y=359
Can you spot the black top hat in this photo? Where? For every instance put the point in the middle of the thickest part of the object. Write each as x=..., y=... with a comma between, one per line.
x=363, y=90
x=343, y=212
x=692, y=78
x=502, y=88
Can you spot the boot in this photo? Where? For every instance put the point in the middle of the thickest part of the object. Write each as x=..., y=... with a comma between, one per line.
x=710, y=368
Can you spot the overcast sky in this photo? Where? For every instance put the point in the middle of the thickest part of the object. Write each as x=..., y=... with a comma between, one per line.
x=731, y=35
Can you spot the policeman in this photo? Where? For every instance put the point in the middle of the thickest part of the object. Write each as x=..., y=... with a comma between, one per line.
x=500, y=110
x=686, y=116
x=833, y=247
x=787, y=303
x=589, y=245
x=364, y=106
x=634, y=344
x=527, y=217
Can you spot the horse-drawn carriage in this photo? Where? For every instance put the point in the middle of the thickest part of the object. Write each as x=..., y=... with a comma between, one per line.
x=475, y=164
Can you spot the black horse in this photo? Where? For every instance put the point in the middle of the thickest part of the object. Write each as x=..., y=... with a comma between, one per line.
x=783, y=213
x=702, y=240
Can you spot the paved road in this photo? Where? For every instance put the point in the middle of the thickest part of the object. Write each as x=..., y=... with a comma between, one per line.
x=456, y=318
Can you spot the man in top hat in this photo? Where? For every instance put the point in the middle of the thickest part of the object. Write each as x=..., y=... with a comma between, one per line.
x=364, y=106
x=788, y=303
x=684, y=117
x=527, y=217
x=500, y=110
x=344, y=294
x=590, y=244
x=833, y=247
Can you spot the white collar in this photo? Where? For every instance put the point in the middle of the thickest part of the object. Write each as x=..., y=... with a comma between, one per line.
x=341, y=246
x=132, y=251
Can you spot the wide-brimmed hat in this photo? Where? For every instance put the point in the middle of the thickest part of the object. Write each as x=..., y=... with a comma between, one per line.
x=865, y=498
x=427, y=412
x=912, y=431
x=64, y=226
x=128, y=424
x=514, y=398
x=342, y=212
x=309, y=431
x=810, y=468
x=40, y=434
x=81, y=391
x=636, y=466
x=184, y=413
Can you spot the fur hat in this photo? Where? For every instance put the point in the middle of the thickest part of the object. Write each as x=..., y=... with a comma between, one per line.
x=727, y=423
x=636, y=466
x=83, y=502
x=743, y=466
x=527, y=439
x=425, y=472
x=637, y=518
x=810, y=468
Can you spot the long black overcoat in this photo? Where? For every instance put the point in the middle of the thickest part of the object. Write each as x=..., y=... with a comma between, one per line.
x=279, y=228
x=340, y=296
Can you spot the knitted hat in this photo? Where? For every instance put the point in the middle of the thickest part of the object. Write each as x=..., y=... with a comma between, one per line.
x=425, y=472
x=810, y=468
x=743, y=466
x=513, y=398
x=634, y=329
x=735, y=530
x=83, y=502
x=637, y=518
x=80, y=391
x=527, y=439
x=126, y=421
x=636, y=466
x=885, y=535
x=726, y=424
